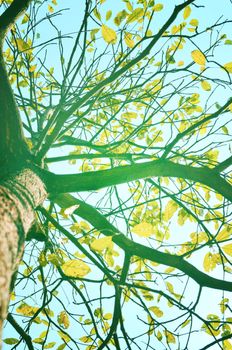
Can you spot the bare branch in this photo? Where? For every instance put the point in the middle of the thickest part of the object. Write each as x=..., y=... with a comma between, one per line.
x=64, y=115
x=195, y=126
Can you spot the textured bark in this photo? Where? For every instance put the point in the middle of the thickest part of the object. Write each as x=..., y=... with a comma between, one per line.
x=19, y=195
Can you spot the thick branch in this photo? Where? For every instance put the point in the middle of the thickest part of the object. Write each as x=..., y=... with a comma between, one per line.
x=98, y=221
x=223, y=165
x=8, y=18
x=13, y=147
x=12, y=143
x=20, y=331
x=171, y=260
x=123, y=174
x=126, y=156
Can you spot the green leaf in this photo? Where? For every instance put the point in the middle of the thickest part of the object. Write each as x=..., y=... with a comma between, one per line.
x=108, y=15
x=10, y=341
x=61, y=346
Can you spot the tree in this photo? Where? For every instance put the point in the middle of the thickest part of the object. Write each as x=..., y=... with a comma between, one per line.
x=121, y=247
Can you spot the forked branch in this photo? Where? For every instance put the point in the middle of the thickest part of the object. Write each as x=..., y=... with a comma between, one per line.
x=99, y=222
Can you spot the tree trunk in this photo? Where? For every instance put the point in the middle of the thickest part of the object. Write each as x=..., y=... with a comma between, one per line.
x=19, y=196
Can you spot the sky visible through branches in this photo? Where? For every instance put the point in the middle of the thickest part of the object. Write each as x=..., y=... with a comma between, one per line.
x=167, y=309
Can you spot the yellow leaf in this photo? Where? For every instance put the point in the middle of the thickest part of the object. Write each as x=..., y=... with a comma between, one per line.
x=32, y=68
x=101, y=244
x=214, y=329
x=42, y=259
x=50, y=9
x=55, y=259
x=109, y=35
x=180, y=63
x=175, y=29
x=107, y=316
x=209, y=263
x=224, y=234
x=63, y=319
x=64, y=336
x=43, y=334
x=22, y=45
x=128, y=40
x=25, y=18
x=38, y=340
x=97, y=14
x=169, y=269
x=86, y=339
x=26, y=310
x=185, y=323
x=159, y=336
x=144, y=229
x=135, y=15
x=228, y=67
x=198, y=57
x=194, y=22
x=129, y=6
x=169, y=337
x=170, y=287
x=226, y=131
x=50, y=345
x=75, y=268
x=187, y=12
x=169, y=210
x=156, y=310
x=12, y=296
x=158, y=7
x=205, y=85
x=129, y=115
x=227, y=249
x=227, y=345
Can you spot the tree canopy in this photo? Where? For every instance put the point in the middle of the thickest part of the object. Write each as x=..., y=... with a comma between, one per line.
x=123, y=109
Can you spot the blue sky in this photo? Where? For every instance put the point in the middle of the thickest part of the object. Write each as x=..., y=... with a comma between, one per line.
x=70, y=22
